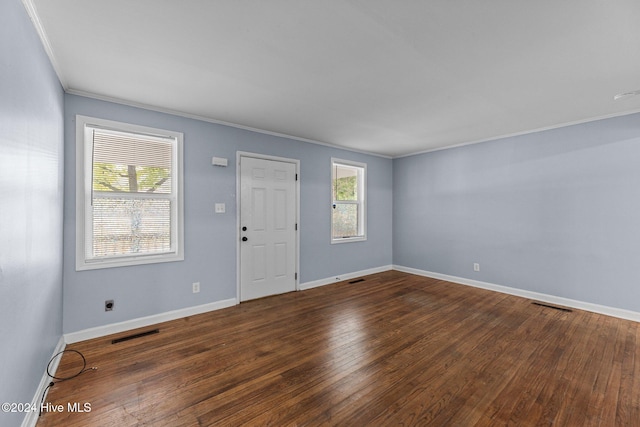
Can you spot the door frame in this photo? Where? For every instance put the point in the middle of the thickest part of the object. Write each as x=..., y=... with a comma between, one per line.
x=296, y=162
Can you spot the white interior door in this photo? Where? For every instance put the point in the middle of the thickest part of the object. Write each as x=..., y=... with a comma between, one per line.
x=267, y=227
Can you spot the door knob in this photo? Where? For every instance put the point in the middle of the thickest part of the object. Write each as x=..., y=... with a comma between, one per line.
x=244, y=239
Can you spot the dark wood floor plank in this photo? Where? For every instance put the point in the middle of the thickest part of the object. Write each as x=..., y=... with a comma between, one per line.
x=628, y=405
x=540, y=378
x=481, y=385
x=476, y=339
x=394, y=349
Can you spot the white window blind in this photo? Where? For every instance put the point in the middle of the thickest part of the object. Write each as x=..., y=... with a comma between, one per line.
x=131, y=149
x=131, y=163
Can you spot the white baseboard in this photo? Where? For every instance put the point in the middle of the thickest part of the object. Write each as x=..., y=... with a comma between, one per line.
x=552, y=299
x=113, y=328
x=31, y=418
x=341, y=277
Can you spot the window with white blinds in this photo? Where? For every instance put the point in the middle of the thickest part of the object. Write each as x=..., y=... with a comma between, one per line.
x=129, y=187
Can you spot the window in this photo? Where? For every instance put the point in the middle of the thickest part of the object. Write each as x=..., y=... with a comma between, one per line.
x=128, y=194
x=349, y=213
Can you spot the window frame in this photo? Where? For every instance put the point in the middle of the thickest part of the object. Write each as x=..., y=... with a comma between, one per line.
x=84, y=165
x=361, y=202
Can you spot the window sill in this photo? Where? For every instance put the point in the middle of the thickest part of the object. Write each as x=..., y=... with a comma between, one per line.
x=82, y=265
x=349, y=240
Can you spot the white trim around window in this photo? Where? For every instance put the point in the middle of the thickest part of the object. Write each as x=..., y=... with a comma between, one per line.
x=164, y=197
x=351, y=226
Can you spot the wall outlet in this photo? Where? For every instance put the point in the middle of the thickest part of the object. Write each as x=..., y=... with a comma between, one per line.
x=108, y=305
x=476, y=266
x=195, y=287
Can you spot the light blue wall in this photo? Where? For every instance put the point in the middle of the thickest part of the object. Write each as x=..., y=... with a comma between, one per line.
x=31, y=158
x=556, y=212
x=210, y=239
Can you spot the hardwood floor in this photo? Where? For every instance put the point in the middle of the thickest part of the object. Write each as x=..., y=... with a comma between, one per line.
x=394, y=349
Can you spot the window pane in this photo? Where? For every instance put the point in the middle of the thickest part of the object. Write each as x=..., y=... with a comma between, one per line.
x=131, y=178
x=131, y=226
x=345, y=220
x=345, y=183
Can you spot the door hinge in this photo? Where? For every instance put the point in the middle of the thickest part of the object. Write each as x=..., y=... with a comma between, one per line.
x=296, y=276
x=296, y=226
x=296, y=177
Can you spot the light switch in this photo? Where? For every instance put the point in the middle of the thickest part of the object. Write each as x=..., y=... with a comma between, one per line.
x=220, y=208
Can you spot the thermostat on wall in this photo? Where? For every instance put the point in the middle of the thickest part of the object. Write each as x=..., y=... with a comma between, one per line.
x=218, y=161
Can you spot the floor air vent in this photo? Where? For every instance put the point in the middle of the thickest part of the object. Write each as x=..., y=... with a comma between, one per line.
x=134, y=336
x=356, y=281
x=552, y=306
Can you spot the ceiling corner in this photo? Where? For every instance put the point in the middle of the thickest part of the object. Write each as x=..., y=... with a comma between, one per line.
x=35, y=19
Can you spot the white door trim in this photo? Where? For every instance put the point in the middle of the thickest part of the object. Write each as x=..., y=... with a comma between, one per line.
x=296, y=162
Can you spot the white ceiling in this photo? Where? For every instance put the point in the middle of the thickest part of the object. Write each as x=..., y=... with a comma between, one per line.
x=391, y=77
